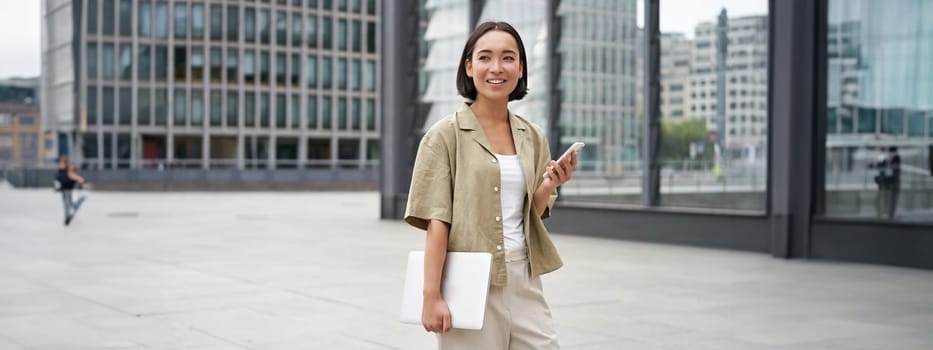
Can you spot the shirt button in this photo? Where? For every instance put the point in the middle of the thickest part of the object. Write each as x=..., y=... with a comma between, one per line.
x=498, y=218
x=498, y=247
x=494, y=160
x=495, y=189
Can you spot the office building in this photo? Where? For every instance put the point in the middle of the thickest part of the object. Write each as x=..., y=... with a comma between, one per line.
x=144, y=85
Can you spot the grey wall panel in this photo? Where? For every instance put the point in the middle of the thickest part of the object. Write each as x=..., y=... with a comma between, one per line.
x=726, y=231
x=873, y=242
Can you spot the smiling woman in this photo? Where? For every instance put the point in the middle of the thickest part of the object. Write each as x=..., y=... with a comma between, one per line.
x=483, y=145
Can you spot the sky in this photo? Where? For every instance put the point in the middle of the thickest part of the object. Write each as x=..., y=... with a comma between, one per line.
x=683, y=15
x=19, y=38
x=20, y=21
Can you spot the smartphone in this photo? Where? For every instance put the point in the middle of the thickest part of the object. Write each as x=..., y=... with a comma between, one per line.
x=575, y=147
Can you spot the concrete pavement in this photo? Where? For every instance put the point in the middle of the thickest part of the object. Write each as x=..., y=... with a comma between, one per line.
x=319, y=270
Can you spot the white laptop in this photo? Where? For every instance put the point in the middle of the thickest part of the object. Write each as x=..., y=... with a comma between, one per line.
x=464, y=286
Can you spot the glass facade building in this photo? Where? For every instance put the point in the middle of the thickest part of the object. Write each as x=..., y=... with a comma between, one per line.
x=264, y=84
x=879, y=94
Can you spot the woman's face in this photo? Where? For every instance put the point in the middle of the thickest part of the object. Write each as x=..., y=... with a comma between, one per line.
x=495, y=66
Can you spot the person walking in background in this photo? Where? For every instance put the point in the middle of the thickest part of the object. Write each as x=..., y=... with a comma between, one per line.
x=483, y=181
x=889, y=182
x=68, y=178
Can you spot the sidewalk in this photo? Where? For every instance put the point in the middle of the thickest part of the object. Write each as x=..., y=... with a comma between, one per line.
x=319, y=270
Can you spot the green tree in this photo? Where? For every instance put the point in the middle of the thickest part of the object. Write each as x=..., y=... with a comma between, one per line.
x=676, y=137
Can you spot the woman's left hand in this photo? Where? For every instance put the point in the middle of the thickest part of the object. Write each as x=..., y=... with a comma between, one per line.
x=559, y=172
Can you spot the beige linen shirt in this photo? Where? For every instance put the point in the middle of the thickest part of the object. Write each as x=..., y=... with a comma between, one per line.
x=456, y=180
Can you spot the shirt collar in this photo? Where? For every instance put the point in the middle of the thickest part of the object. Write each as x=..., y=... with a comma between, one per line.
x=467, y=119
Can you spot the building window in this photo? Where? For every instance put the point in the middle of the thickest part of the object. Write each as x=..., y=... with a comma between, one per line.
x=311, y=29
x=92, y=17
x=249, y=25
x=161, y=107
x=342, y=113
x=265, y=32
x=326, y=116
x=145, y=63
x=249, y=67
x=312, y=72
x=280, y=109
x=181, y=108
x=232, y=74
x=233, y=21
x=161, y=59
x=108, y=102
x=371, y=37
x=356, y=75
x=90, y=105
x=145, y=18
x=348, y=150
x=197, y=21
x=341, y=73
x=327, y=33
x=92, y=61
x=357, y=36
x=109, y=16
x=370, y=114
x=355, y=117
x=295, y=113
x=181, y=19
x=216, y=110
x=312, y=112
x=216, y=64
x=281, y=28
x=197, y=64
x=264, y=67
x=161, y=20
x=342, y=35
x=264, y=111
x=297, y=34
x=280, y=69
x=27, y=121
x=126, y=106
x=371, y=75
x=232, y=109
x=126, y=61
x=326, y=72
x=249, y=109
x=108, y=61
x=143, y=107
x=295, y=70
x=217, y=25
x=197, y=108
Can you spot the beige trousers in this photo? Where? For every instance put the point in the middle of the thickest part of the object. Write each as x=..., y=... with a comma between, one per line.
x=517, y=316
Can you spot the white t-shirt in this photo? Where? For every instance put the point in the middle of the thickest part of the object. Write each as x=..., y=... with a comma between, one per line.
x=512, y=187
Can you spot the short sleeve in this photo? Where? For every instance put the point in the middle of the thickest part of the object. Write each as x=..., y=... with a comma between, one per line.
x=430, y=196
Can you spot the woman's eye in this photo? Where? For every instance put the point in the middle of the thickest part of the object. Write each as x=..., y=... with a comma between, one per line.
x=509, y=58
x=483, y=58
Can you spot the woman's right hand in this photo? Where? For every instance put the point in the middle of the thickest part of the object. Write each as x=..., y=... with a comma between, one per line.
x=435, y=316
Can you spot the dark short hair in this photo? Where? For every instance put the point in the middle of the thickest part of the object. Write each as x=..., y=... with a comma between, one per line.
x=465, y=84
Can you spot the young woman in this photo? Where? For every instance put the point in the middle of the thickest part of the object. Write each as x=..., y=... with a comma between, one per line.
x=483, y=181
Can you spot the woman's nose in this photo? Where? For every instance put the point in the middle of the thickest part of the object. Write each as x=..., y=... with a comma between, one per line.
x=496, y=66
